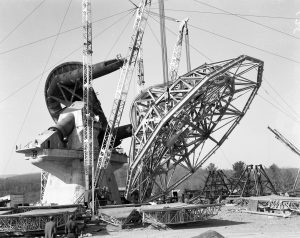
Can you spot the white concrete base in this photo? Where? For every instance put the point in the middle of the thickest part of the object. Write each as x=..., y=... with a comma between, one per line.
x=60, y=193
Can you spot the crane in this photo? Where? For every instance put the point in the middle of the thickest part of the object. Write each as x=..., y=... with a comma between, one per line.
x=88, y=118
x=292, y=147
x=122, y=89
x=176, y=55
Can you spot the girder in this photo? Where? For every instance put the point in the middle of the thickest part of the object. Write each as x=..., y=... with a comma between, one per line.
x=203, y=107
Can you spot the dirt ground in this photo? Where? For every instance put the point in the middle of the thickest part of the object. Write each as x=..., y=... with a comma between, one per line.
x=230, y=222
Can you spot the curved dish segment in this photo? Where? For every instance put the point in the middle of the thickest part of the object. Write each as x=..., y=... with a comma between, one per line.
x=177, y=127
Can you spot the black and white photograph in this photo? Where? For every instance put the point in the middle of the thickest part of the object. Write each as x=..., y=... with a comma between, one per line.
x=150, y=118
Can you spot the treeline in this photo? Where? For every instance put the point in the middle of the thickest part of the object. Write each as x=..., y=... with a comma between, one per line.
x=28, y=184
x=282, y=179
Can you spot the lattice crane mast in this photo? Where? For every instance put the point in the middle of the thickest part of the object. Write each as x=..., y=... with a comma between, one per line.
x=289, y=144
x=87, y=87
x=122, y=88
x=176, y=55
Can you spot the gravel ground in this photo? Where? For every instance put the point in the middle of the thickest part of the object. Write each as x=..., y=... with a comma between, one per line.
x=230, y=222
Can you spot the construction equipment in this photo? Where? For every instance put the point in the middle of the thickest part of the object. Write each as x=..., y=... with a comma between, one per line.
x=203, y=107
x=176, y=55
x=253, y=181
x=140, y=70
x=88, y=117
x=87, y=85
x=292, y=147
x=122, y=89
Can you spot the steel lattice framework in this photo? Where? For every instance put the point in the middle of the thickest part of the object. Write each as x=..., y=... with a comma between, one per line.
x=176, y=55
x=216, y=184
x=122, y=88
x=87, y=89
x=44, y=179
x=204, y=106
x=254, y=181
x=179, y=215
x=22, y=222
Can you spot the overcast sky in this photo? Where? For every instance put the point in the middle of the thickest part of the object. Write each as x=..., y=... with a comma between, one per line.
x=266, y=30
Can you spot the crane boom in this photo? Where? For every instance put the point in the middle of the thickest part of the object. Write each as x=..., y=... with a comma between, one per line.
x=87, y=88
x=176, y=55
x=122, y=88
x=281, y=138
x=289, y=144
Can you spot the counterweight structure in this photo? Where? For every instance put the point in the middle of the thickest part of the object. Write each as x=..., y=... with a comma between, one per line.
x=59, y=150
x=204, y=106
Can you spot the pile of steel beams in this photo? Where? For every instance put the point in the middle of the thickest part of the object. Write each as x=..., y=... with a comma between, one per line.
x=275, y=203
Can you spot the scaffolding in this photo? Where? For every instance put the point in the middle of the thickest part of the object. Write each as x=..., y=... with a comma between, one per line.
x=216, y=184
x=253, y=181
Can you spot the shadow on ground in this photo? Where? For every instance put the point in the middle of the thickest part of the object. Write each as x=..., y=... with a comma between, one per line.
x=208, y=223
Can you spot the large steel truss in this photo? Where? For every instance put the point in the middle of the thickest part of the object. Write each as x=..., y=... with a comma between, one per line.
x=181, y=214
x=35, y=221
x=203, y=107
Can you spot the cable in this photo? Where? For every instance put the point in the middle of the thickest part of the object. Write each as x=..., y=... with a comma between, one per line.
x=246, y=19
x=166, y=17
x=63, y=32
x=239, y=42
x=224, y=155
x=61, y=60
x=118, y=38
x=38, y=84
x=245, y=44
x=278, y=104
x=278, y=94
x=203, y=55
x=22, y=21
x=278, y=108
x=155, y=37
x=229, y=14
